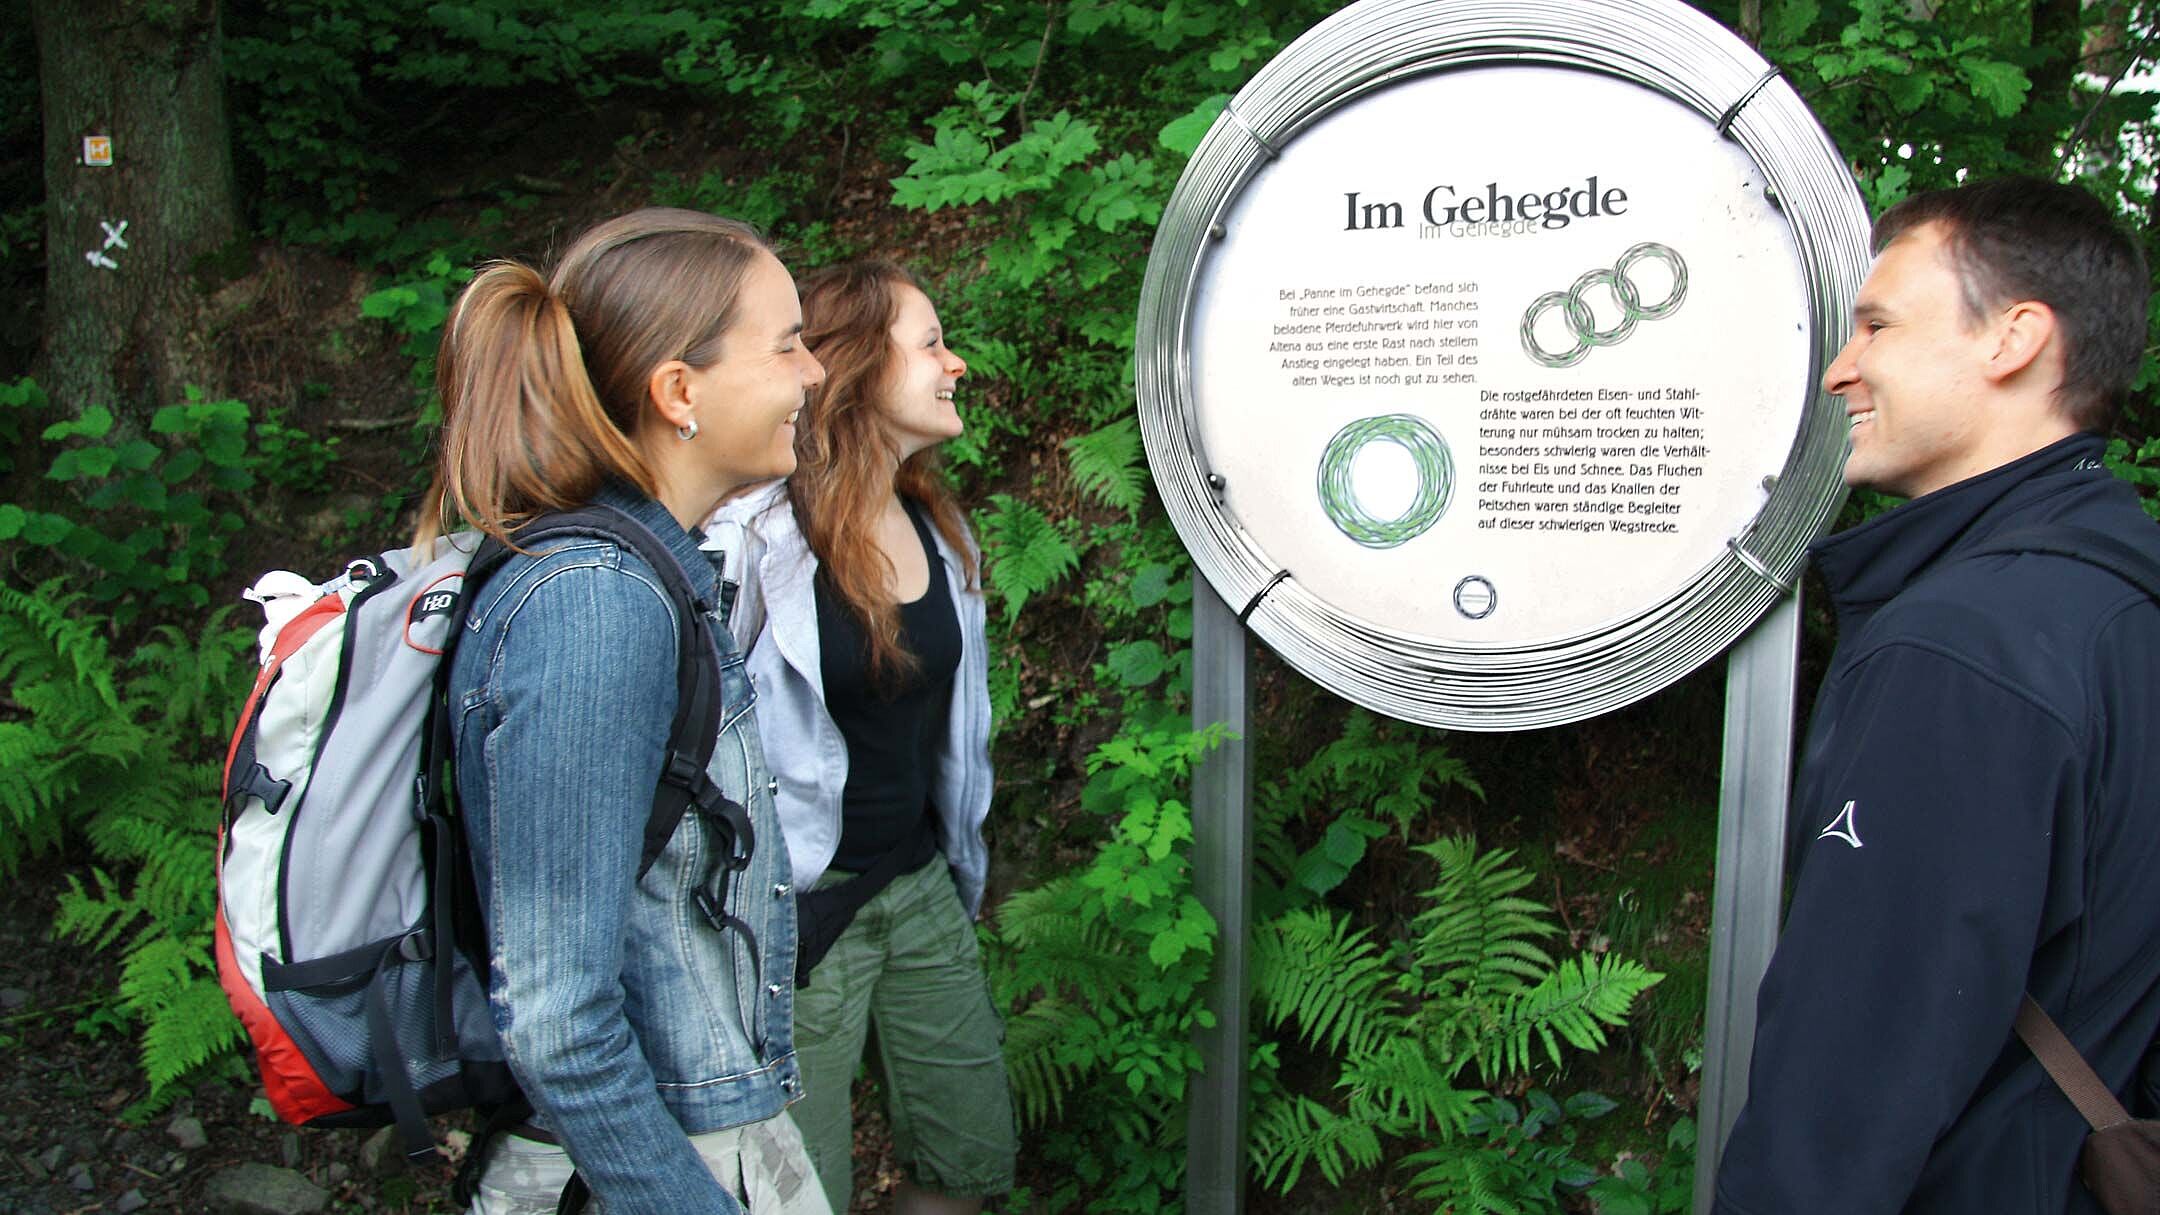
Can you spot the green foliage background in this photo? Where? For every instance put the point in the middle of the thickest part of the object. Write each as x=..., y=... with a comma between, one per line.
x=1423, y=1040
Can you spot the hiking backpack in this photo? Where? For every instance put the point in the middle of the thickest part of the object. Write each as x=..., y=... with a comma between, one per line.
x=348, y=930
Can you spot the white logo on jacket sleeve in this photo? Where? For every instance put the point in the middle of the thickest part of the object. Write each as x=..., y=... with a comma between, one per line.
x=1842, y=827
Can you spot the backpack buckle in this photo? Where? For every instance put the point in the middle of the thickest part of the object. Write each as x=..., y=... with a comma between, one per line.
x=726, y=820
x=711, y=906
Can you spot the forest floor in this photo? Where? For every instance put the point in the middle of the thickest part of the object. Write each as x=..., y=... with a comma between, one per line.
x=75, y=1138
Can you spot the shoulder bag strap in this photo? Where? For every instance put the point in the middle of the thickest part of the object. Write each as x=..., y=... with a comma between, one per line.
x=684, y=784
x=2068, y=1068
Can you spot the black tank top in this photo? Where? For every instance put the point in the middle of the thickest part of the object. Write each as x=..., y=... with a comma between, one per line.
x=894, y=729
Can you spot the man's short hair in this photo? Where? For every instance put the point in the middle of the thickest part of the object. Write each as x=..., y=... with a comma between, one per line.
x=2020, y=238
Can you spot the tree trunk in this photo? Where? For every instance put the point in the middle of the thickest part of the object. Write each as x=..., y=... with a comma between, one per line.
x=2058, y=34
x=122, y=242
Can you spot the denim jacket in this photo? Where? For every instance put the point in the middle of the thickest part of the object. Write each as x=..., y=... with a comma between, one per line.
x=775, y=621
x=630, y=1022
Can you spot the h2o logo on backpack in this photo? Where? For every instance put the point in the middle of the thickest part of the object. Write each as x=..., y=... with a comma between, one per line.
x=427, y=617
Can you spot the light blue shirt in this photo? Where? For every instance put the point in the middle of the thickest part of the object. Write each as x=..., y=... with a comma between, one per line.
x=775, y=621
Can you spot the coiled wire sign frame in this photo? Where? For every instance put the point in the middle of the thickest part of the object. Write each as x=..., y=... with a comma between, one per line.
x=1463, y=679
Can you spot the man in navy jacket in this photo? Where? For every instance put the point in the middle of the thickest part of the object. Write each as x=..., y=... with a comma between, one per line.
x=1978, y=807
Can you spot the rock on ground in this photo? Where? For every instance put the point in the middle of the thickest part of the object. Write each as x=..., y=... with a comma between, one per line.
x=187, y=1133
x=262, y=1189
x=380, y=1155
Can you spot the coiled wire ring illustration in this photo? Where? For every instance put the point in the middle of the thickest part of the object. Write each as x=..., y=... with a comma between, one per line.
x=1428, y=453
x=1583, y=324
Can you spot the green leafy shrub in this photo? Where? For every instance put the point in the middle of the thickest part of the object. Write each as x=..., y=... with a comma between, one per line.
x=148, y=520
x=1471, y=993
x=114, y=749
x=1101, y=971
x=2140, y=466
x=1634, y=1188
x=1509, y=1159
x=112, y=726
x=1371, y=781
x=334, y=100
x=416, y=307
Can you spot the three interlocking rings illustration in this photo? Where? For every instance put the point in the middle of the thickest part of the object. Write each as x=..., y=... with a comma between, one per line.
x=1428, y=454
x=1583, y=324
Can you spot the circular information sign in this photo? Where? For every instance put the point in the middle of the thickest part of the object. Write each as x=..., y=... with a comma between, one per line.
x=1478, y=360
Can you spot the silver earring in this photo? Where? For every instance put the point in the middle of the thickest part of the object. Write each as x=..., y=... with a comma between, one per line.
x=687, y=433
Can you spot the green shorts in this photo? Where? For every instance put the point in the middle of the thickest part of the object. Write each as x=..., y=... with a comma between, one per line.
x=909, y=966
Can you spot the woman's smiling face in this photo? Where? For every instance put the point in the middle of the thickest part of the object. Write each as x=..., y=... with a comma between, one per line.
x=746, y=402
x=918, y=399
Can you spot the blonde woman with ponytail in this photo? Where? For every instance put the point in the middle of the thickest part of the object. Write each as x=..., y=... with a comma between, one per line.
x=659, y=369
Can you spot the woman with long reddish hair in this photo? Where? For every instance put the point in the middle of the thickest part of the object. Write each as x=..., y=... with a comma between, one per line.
x=862, y=612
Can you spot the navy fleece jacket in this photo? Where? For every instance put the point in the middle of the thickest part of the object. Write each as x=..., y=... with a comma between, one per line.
x=1977, y=814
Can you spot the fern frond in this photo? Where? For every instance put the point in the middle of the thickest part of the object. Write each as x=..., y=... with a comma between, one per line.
x=42, y=637
x=192, y=683
x=1574, y=1004
x=1312, y=968
x=32, y=791
x=1039, y=1061
x=173, y=865
x=1402, y=1086
x=1025, y=551
x=1047, y=940
x=1290, y=1132
x=1469, y=1178
x=60, y=675
x=1475, y=940
x=50, y=765
x=1106, y=463
x=96, y=920
x=185, y=1025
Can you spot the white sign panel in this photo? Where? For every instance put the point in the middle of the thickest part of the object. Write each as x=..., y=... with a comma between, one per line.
x=1496, y=392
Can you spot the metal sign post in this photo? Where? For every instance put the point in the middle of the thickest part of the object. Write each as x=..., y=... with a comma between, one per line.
x=1222, y=881
x=1749, y=885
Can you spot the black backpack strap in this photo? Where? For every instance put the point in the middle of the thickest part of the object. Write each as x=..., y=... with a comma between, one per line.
x=465, y=1186
x=434, y=804
x=2111, y=553
x=684, y=784
x=413, y=1135
x=574, y=1196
